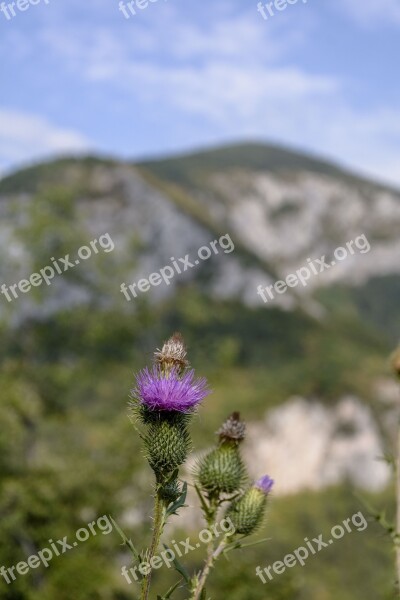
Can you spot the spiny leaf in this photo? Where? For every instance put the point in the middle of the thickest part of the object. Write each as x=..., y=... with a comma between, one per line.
x=128, y=542
x=173, y=508
x=170, y=591
x=238, y=545
x=179, y=567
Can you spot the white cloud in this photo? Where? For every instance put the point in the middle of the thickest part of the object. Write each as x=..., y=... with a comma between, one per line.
x=233, y=76
x=241, y=38
x=169, y=38
x=235, y=90
x=372, y=12
x=220, y=92
x=192, y=68
x=25, y=137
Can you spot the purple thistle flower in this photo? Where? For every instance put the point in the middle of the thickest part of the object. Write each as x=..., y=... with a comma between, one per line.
x=158, y=391
x=264, y=484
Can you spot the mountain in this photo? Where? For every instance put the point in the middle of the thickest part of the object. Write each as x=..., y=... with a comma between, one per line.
x=281, y=209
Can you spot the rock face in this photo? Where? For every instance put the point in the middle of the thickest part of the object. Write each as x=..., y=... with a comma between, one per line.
x=148, y=229
x=286, y=220
x=305, y=445
x=284, y=208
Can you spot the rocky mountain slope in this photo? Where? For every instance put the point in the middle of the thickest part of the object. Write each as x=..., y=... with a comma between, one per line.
x=279, y=208
x=285, y=207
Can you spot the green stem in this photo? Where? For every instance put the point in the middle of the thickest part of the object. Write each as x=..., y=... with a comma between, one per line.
x=397, y=529
x=214, y=504
x=212, y=510
x=212, y=557
x=159, y=514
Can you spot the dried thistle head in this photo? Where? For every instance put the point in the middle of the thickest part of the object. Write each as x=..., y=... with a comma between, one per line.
x=172, y=356
x=233, y=430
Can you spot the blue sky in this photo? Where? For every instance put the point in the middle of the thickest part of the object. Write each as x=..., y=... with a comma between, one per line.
x=321, y=75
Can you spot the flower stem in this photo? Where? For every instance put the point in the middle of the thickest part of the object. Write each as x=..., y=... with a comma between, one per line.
x=159, y=514
x=398, y=507
x=212, y=557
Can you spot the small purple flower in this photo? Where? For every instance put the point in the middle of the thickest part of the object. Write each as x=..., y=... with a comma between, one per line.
x=158, y=391
x=264, y=484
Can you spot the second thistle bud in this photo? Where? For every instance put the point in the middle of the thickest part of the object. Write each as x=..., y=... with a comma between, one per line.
x=248, y=512
x=222, y=470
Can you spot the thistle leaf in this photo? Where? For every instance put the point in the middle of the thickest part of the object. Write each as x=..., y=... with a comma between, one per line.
x=170, y=591
x=127, y=541
x=238, y=545
x=179, y=567
x=173, y=508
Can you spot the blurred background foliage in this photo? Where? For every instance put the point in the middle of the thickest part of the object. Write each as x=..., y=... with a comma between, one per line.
x=69, y=454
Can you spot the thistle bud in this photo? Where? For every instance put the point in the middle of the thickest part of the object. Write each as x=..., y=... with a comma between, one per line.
x=170, y=491
x=222, y=470
x=167, y=442
x=248, y=512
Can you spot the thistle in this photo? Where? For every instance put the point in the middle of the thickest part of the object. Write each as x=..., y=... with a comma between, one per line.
x=163, y=391
x=245, y=515
x=222, y=470
x=164, y=399
x=248, y=512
